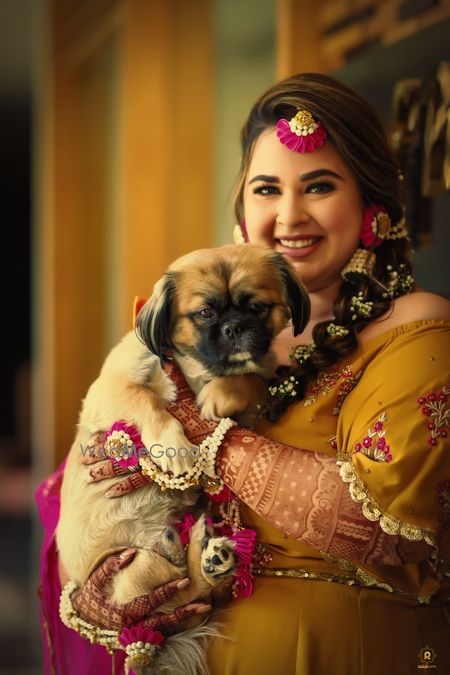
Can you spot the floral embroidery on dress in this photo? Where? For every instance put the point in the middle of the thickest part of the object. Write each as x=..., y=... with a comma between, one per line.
x=327, y=380
x=434, y=407
x=374, y=444
x=443, y=492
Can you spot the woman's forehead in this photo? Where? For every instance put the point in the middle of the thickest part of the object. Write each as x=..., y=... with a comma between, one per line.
x=269, y=156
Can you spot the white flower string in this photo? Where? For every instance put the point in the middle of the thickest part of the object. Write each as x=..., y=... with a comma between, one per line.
x=204, y=464
x=95, y=635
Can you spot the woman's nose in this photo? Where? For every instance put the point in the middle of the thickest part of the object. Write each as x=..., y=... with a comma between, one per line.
x=291, y=211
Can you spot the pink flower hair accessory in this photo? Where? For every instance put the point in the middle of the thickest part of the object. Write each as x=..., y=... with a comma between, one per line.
x=376, y=225
x=140, y=644
x=122, y=443
x=302, y=133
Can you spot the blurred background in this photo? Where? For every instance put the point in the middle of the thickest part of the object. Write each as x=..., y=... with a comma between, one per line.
x=119, y=132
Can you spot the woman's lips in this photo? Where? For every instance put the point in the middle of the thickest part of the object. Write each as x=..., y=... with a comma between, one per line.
x=297, y=247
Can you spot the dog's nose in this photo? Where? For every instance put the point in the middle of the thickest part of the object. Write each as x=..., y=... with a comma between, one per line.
x=231, y=329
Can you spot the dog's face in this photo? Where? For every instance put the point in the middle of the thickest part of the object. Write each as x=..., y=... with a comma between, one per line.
x=223, y=307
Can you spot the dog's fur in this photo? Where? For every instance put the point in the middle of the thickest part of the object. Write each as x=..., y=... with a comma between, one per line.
x=216, y=311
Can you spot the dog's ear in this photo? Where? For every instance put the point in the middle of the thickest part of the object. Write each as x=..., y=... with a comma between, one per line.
x=154, y=321
x=296, y=295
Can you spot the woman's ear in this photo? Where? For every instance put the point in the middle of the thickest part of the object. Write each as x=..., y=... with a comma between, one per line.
x=297, y=297
x=154, y=321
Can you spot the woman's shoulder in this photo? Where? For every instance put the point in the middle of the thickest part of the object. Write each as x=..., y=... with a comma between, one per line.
x=421, y=306
x=408, y=309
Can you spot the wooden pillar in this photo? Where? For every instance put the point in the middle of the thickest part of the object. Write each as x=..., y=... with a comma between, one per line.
x=123, y=181
x=298, y=37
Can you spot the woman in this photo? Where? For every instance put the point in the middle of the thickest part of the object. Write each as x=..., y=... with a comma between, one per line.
x=350, y=576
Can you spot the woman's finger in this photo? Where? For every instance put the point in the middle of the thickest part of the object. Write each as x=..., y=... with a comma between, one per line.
x=133, y=482
x=141, y=606
x=94, y=450
x=170, y=621
x=107, y=470
x=110, y=567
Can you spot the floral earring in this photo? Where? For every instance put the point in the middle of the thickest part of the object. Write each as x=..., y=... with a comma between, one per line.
x=240, y=235
x=375, y=228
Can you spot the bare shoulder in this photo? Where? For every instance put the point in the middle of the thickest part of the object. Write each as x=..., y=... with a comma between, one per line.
x=421, y=306
x=417, y=306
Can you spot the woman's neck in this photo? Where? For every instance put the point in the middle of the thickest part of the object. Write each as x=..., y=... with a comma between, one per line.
x=321, y=310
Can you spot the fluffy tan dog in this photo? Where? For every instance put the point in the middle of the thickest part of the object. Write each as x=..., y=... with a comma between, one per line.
x=216, y=312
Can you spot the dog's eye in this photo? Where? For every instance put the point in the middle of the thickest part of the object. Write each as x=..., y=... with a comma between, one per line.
x=206, y=313
x=256, y=307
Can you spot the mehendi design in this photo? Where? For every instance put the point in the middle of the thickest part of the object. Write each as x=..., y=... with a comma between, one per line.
x=376, y=449
x=434, y=407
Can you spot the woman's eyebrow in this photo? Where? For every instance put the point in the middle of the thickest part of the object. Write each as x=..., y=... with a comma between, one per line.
x=318, y=173
x=265, y=179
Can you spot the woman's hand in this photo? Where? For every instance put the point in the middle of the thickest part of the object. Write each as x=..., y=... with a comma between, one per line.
x=93, y=603
x=184, y=409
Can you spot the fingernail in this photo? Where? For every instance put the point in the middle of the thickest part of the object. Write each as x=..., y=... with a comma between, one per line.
x=110, y=493
x=203, y=609
x=126, y=554
x=183, y=583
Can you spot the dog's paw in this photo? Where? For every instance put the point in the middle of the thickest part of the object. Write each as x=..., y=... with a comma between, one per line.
x=171, y=450
x=227, y=396
x=170, y=547
x=217, y=559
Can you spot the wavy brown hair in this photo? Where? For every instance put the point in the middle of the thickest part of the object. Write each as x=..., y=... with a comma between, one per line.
x=358, y=135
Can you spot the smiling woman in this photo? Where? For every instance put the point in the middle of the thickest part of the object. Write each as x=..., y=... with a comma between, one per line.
x=346, y=483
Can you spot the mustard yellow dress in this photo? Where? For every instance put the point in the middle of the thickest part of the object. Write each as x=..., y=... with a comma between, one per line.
x=318, y=615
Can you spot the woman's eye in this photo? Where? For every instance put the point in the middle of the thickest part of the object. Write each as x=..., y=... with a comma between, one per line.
x=266, y=190
x=319, y=188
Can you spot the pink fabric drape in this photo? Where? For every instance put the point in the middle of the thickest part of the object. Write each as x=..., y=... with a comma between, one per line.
x=65, y=652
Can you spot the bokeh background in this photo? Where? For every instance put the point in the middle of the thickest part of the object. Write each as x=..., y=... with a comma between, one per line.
x=119, y=128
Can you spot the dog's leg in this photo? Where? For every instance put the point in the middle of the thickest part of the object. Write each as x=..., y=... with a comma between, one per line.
x=230, y=395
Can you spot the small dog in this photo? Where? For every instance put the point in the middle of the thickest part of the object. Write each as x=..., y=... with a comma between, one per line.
x=216, y=311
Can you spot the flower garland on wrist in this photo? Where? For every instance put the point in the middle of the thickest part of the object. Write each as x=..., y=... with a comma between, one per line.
x=140, y=643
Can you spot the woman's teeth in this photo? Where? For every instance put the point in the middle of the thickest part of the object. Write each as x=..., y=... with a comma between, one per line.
x=298, y=243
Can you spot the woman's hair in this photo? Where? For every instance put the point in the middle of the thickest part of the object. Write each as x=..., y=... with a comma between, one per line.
x=358, y=135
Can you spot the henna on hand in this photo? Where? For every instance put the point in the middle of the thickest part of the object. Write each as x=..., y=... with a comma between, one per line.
x=107, y=470
x=94, y=450
x=168, y=623
x=93, y=602
x=133, y=482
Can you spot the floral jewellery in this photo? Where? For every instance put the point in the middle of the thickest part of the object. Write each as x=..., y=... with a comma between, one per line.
x=122, y=443
x=401, y=282
x=205, y=462
x=285, y=389
x=240, y=235
x=360, y=309
x=399, y=230
x=434, y=407
x=335, y=330
x=360, y=265
x=375, y=225
x=378, y=450
x=140, y=644
x=302, y=133
x=302, y=353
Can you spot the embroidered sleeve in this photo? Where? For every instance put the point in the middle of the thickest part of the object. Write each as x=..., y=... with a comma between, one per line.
x=392, y=440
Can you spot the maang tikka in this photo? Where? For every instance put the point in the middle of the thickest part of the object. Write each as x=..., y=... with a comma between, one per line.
x=302, y=133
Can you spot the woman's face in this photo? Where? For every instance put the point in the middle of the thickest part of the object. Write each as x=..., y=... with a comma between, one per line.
x=306, y=206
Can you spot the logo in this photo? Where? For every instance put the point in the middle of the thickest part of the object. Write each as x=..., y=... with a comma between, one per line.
x=427, y=658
